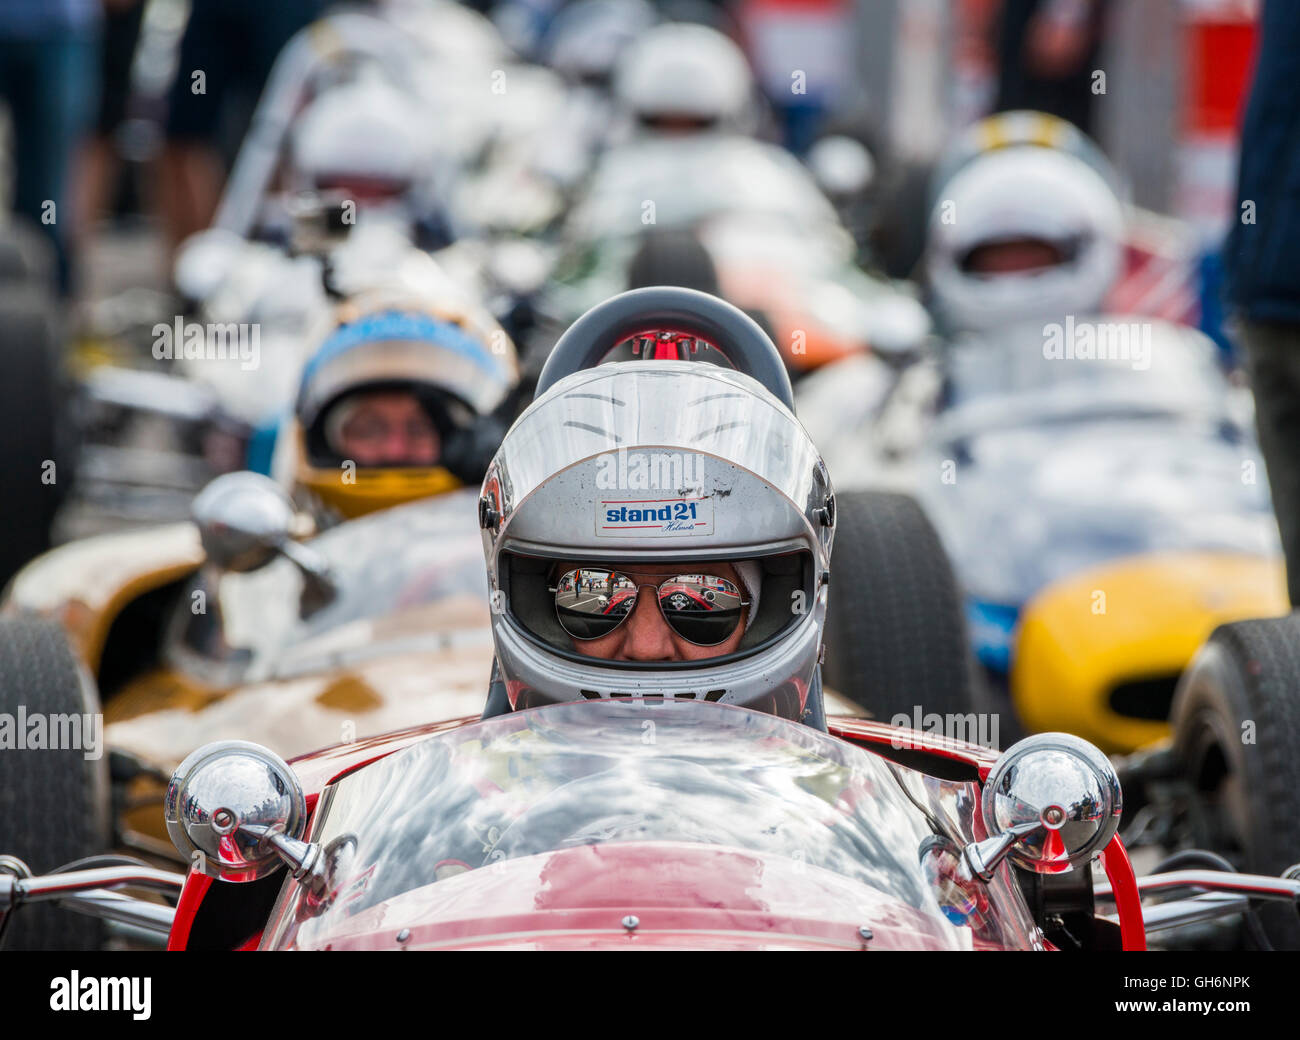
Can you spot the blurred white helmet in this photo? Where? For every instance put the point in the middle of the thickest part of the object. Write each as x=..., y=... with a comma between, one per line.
x=686, y=77
x=449, y=32
x=368, y=141
x=365, y=130
x=1022, y=233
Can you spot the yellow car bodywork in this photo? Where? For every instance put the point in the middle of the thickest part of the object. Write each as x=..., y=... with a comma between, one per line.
x=1127, y=624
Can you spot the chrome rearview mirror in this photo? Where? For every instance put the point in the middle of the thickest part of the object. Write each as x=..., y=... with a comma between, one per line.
x=245, y=520
x=1051, y=802
x=239, y=807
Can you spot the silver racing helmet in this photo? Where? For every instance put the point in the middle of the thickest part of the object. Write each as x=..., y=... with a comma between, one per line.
x=652, y=462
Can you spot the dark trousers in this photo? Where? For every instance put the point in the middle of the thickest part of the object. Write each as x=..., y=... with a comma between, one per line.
x=51, y=87
x=1273, y=355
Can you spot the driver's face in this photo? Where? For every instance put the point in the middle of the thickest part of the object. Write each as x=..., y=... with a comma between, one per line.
x=645, y=635
x=1013, y=257
x=389, y=428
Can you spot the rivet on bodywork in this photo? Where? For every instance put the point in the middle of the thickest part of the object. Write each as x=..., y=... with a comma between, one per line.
x=630, y=922
x=403, y=935
x=865, y=932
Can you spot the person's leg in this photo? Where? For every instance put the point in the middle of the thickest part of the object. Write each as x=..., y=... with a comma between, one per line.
x=191, y=170
x=98, y=173
x=52, y=89
x=189, y=187
x=1273, y=356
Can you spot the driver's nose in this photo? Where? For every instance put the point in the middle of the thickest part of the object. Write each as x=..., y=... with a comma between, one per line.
x=397, y=446
x=648, y=636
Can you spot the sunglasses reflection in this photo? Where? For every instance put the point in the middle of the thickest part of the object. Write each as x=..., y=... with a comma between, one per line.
x=703, y=608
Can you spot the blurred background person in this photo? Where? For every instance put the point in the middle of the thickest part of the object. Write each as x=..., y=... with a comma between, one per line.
x=803, y=57
x=97, y=176
x=397, y=402
x=1047, y=51
x=225, y=57
x=49, y=57
x=1038, y=236
x=682, y=80
x=1263, y=278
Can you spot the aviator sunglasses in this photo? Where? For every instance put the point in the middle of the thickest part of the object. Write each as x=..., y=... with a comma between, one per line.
x=703, y=609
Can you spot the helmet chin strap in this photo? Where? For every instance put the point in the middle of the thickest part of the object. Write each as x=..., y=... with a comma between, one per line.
x=751, y=576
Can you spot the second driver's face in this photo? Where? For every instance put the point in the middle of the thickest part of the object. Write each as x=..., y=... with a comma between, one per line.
x=1016, y=256
x=389, y=428
x=644, y=635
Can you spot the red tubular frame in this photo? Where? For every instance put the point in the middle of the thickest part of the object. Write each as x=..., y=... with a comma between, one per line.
x=1128, y=900
x=196, y=887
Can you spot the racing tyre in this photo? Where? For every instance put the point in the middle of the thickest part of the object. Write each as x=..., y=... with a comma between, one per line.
x=29, y=433
x=896, y=629
x=1236, y=726
x=53, y=803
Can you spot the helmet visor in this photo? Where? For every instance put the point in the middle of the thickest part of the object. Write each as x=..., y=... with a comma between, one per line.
x=702, y=608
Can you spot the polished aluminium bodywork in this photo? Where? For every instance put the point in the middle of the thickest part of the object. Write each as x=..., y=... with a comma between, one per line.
x=796, y=837
x=568, y=827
